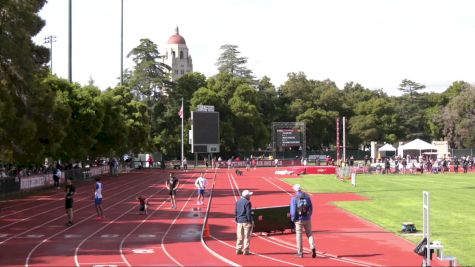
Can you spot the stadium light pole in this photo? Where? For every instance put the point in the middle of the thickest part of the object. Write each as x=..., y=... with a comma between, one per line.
x=121, y=42
x=49, y=40
x=70, y=47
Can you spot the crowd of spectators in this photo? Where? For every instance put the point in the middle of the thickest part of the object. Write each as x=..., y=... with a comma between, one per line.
x=10, y=170
x=423, y=164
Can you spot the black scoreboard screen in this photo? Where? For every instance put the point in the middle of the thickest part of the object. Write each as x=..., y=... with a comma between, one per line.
x=289, y=137
x=205, y=128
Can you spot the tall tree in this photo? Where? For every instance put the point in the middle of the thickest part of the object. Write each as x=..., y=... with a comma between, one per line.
x=137, y=119
x=229, y=61
x=111, y=139
x=412, y=108
x=87, y=117
x=411, y=88
x=457, y=119
x=150, y=77
x=151, y=82
x=22, y=65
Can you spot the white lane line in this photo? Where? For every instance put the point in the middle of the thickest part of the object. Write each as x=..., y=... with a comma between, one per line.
x=232, y=187
x=205, y=221
x=72, y=236
x=121, y=246
x=170, y=227
x=257, y=254
x=57, y=218
x=147, y=236
x=331, y=256
x=237, y=187
x=76, y=260
x=111, y=189
x=76, y=224
x=290, y=194
x=111, y=235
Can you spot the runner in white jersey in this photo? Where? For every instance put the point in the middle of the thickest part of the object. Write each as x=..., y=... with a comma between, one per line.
x=201, y=184
x=98, y=198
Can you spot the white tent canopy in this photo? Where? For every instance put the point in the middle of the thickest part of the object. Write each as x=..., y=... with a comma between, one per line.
x=387, y=147
x=416, y=145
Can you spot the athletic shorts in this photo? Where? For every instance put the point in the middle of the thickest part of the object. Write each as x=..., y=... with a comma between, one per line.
x=98, y=201
x=172, y=192
x=141, y=207
x=69, y=203
x=201, y=191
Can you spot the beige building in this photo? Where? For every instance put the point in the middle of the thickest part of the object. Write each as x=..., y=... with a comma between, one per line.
x=177, y=56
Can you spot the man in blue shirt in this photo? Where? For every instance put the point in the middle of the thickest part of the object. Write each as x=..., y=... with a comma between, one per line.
x=244, y=222
x=301, y=214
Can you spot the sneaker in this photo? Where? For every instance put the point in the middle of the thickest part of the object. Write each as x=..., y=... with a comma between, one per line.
x=238, y=252
x=247, y=253
x=69, y=224
x=314, y=253
x=300, y=255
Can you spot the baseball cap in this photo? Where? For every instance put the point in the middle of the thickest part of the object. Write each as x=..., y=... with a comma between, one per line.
x=297, y=187
x=246, y=193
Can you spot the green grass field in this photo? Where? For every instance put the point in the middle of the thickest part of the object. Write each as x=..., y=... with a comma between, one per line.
x=398, y=198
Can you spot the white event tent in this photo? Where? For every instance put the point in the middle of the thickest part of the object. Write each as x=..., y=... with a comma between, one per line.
x=416, y=148
x=383, y=151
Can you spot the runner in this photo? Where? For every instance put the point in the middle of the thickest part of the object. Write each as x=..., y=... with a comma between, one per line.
x=98, y=198
x=172, y=185
x=201, y=184
x=143, y=204
x=70, y=190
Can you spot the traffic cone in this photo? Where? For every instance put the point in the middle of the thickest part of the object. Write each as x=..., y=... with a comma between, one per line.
x=206, y=232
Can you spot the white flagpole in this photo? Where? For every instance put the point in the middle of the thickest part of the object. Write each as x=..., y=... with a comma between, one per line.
x=182, y=116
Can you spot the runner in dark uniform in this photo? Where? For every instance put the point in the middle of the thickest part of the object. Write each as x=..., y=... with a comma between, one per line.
x=172, y=185
x=70, y=190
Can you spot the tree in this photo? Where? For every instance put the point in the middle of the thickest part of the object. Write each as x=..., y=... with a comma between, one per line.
x=22, y=66
x=458, y=117
x=150, y=77
x=249, y=128
x=375, y=120
x=411, y=88
x=87, y=117
x=112, y=138
x=137, y=119
x=229, y=61
x=412, y=106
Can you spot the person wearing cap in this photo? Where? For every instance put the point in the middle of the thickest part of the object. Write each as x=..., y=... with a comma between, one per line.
x=244, y=222
x=302, y=220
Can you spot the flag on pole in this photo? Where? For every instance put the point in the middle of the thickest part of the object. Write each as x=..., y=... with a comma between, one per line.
x=180, y=113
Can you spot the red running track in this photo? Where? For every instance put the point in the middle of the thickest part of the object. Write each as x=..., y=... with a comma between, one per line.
x=32, y=230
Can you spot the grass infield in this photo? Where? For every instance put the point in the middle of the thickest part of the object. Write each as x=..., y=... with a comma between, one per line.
x=398, y=198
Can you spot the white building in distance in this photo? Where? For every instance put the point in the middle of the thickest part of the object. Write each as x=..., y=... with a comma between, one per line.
x=177, y=56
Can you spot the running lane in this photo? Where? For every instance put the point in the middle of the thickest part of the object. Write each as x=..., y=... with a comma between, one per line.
x=342, y=239
x=24, y=239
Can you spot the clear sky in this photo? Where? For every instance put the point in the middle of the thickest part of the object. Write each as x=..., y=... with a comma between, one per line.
x=376, y=43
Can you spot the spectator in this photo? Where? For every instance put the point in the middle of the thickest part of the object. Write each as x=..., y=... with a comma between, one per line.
x=301, y=209
x=185, y=164
x=244, y=220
